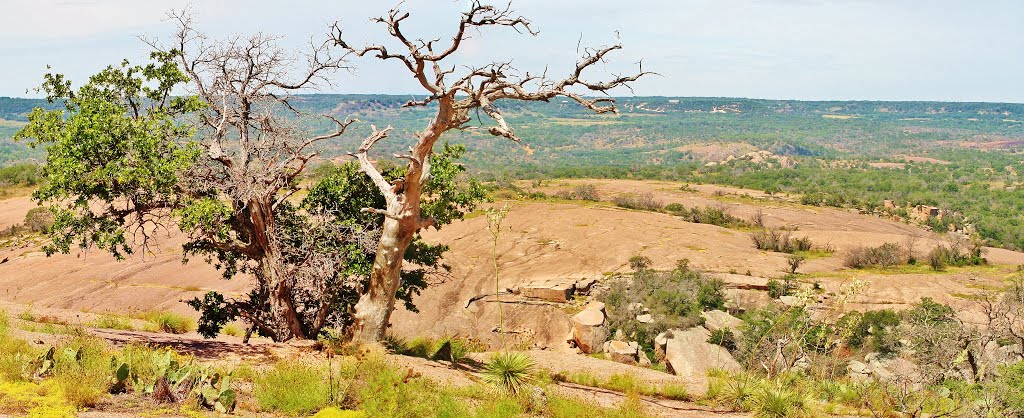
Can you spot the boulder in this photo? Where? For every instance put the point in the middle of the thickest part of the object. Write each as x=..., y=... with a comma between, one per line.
x=621, y=351
x=688, y=353
x=716, y=320
x=889, y=370
x=589, y=328
x=790, y=301
x=995, y=355
x=583, y=286
x=742, y=300
x=552, y=292
x=659, y=344
x=644, y=319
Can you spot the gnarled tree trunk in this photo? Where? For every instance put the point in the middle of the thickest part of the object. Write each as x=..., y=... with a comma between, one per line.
x=373, y=311
x=456, y=96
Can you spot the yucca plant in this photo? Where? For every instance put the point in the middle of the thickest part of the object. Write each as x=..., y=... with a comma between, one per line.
x=509, y=371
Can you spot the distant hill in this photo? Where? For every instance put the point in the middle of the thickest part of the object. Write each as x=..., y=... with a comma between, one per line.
x=660, y=130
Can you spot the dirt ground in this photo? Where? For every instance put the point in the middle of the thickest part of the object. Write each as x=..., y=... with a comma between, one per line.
x=543, y=240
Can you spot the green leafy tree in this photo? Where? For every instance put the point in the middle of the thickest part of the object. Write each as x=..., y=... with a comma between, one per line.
x=127, y=158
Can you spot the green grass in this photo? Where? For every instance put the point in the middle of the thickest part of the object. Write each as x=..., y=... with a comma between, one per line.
x=162, y=321
x=119, y=322
x=292, y=388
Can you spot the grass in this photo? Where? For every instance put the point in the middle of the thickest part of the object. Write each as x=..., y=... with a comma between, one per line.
x=120, y=322
x=429, y=348
x=292, y=388
x=628, y=383
x=163, y=321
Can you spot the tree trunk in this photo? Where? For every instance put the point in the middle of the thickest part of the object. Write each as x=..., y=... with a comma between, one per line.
x=286, y=321
x=373, y=311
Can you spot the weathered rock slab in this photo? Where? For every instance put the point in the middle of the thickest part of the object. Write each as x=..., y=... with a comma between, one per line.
x=688, y=353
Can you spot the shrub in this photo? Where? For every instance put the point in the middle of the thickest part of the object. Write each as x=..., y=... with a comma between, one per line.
x=794, y=262
x=885, y=255
x=942, y=256
x=872, y=329
x=293, y=388
x=643, y=201
x=777, y=289
x=639, y=262
x=386, y=392
x=38, y=219
x=13, y=353
x=509, y=371
x=718, y=216
x=586, y=192
x=674, y=298
x=82, y=371
x=1008, y=390
x=723, y=337
x=458, y=348
x=769, y=239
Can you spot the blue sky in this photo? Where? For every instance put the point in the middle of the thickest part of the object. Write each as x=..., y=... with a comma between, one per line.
x=785, y=49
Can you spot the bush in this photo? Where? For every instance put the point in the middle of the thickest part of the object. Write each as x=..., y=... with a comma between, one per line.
x=39, y=219
x=942, y=256
x=13, y=353
x=769, y=239
x=457, y=349
x=777, y=289
x=884, y=256
x=718, y=216
x=674, y=299
x=639, y=262
x=872, y=329
x=586, y=192
x=776, y=401
x=643, y=201
x=293, y=388
x=723, y=337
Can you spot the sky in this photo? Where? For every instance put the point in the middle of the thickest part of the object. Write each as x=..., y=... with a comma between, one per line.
x=944, y=50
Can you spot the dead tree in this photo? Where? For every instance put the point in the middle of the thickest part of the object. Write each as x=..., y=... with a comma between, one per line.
x=455, y=93
x=253, y=148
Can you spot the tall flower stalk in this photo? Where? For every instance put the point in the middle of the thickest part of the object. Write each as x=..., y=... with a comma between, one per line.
x=495, y=217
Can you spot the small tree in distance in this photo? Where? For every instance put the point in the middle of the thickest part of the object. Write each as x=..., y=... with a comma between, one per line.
x=455, y=94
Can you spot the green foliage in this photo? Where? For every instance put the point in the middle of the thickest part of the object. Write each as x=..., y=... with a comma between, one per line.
x=778, y=289
x=884, y=256
x=639, y=262
x=292, y=388
x=114, y=153
x=509, y=371
x=1008, y=390
x=454, y=349
x=873, y=330
x=643, y=201
x=163, y=321
x=769, y=239
x=711, y=215
x=723, y=337
x=674, y=299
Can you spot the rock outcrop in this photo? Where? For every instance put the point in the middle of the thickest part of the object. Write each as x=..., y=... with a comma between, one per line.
x=716, y=320
x=590, y=329
x=688, y=353
x=891, y=370
x=626, y=353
